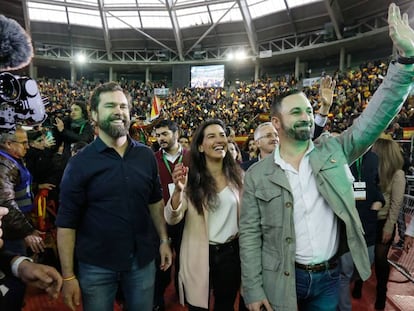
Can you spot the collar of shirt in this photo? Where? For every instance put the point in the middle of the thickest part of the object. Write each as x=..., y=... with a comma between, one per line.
x=282, y=163
x=173, y=157
x=101, y=146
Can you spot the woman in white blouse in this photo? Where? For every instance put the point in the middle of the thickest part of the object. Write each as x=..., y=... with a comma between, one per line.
x=207, y=195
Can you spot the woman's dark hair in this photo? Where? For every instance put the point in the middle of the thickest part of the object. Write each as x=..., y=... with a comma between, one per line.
x=82, y=106
x=247, y=141
x=201, y=187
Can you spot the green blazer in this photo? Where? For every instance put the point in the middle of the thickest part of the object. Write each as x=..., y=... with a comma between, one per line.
x=267, y=233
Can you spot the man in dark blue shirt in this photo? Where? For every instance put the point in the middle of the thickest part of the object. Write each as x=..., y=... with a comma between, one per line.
x=111, y=204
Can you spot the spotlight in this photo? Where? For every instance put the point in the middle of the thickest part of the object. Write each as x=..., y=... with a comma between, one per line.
x=81, y=58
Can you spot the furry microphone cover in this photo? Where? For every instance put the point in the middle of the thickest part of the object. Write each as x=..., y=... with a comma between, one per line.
x=16, y=48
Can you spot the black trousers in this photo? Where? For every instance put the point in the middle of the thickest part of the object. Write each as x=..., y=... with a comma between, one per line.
x=163, y=278
x=382, y=267
x=225, y=276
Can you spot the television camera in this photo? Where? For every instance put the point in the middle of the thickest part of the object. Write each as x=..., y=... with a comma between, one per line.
x=20, y=102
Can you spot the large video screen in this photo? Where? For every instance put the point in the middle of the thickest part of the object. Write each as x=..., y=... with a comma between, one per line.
x=207, y=76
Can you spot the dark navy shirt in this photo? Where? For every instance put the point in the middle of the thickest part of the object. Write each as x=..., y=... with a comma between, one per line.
x=105, y=198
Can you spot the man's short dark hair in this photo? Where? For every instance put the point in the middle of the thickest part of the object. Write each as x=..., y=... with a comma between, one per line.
x=172, y=126
x=103, y=88
x=277, y=99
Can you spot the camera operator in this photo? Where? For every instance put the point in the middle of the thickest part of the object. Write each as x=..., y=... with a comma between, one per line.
x=74, y=128
x=21, y=103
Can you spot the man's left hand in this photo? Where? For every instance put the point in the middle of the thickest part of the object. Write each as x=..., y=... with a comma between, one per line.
x=326, y=92
x=41, y=276
x=166, y=256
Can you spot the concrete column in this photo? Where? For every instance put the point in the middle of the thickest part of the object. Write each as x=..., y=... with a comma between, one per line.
x=297, y=67
x=342, y=59
x=72, y=73
x=110, y=74
x=147, y=75
x=348, y=61
x=256, y=70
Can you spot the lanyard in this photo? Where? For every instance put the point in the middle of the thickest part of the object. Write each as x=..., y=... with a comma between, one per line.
x=167, y=164
x=81, y=129
x=358, y=164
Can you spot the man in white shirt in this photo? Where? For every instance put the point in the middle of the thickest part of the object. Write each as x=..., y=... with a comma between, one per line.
x=298, y=209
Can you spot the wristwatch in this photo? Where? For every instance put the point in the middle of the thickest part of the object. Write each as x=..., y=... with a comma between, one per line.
x=405, y=60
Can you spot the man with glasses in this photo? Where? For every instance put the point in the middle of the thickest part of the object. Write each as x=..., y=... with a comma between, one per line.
x=266, y=139
x=15, y=193
x=16, y=196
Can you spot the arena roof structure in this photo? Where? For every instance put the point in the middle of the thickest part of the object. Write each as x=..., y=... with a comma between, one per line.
x=157, y=32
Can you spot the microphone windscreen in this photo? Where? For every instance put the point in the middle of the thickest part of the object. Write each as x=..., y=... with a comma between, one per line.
x=16, y=48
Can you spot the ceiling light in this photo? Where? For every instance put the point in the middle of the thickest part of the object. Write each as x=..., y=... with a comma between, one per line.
x=81, y=58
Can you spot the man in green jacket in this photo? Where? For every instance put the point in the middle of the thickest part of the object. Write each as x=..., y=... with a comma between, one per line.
x=298, y=211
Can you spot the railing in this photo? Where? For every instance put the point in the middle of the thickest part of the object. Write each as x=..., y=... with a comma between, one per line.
x=404, y=261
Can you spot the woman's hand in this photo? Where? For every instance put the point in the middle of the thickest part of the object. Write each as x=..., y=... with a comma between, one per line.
x=179, y=176
x=59, y=124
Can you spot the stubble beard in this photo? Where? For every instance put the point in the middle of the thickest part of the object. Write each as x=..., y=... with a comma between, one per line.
x=298, y=134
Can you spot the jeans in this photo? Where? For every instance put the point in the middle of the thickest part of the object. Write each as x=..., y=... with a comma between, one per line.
x=317, y=291
x=99, y=287
x=347, y=273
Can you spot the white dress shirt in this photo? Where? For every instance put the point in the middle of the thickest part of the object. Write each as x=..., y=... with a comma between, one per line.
x=316, y=226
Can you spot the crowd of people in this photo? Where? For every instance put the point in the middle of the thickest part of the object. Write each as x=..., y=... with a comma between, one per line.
x=243, y=107
x=283, y=224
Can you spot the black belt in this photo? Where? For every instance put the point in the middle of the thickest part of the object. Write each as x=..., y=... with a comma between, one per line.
x=225, y=246
x=323, y=266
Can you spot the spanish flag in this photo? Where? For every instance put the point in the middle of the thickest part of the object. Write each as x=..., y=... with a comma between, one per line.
x=155, y=108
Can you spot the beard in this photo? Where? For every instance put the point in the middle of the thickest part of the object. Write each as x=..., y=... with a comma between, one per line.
x=302, y=134
x=168, y=144
x=114, y=130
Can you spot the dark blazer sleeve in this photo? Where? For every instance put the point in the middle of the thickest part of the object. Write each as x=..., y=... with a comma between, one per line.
x=318, y=131
x=5, y=260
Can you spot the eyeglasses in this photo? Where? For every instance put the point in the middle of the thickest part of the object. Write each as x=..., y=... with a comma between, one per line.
x=24, y=143
x=269, y=136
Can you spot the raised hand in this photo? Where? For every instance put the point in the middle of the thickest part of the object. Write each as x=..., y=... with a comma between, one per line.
x=401, y=33
x=179, y=176
x=326, y=92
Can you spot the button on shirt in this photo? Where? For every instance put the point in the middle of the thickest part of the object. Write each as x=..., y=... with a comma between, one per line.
x=105, y=198
x=316, y=226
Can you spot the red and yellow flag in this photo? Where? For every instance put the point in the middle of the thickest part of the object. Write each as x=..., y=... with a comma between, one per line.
x=155, y=108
